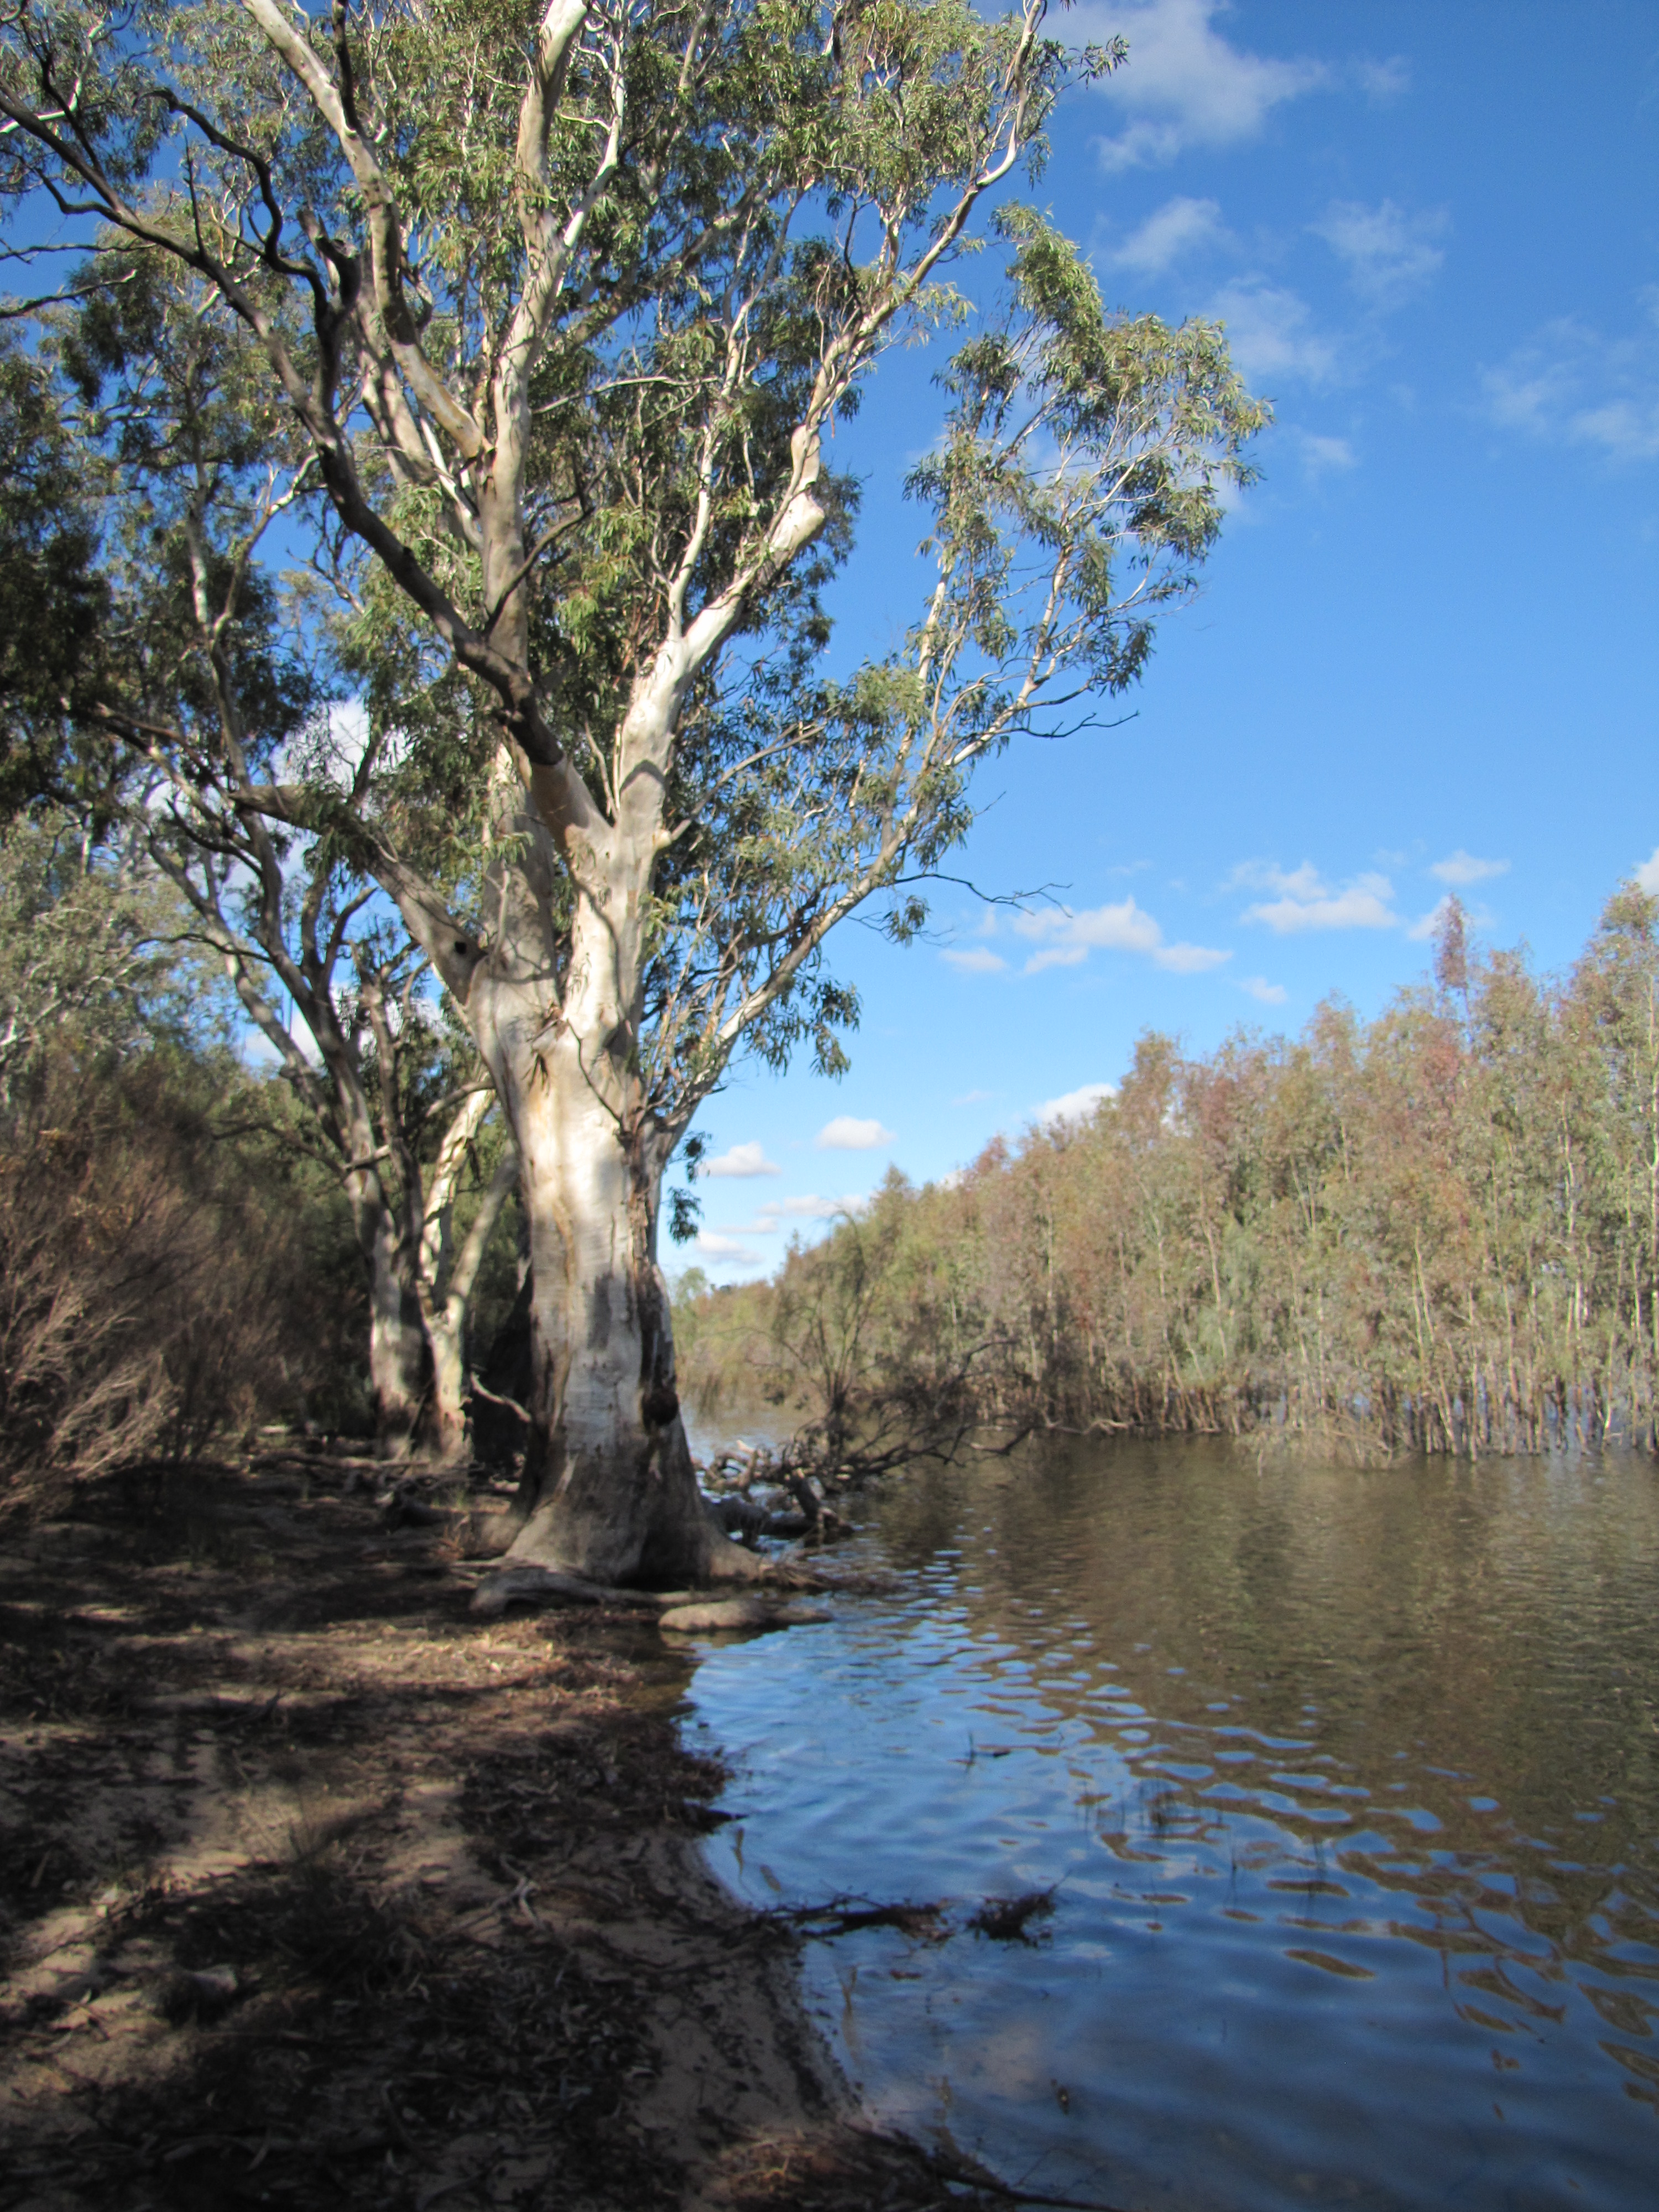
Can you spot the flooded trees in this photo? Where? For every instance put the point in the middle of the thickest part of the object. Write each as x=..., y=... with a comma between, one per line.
x=1437, y=1232
x=560, y=306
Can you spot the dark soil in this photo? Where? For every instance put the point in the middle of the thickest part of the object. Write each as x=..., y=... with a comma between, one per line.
x=317, y=1890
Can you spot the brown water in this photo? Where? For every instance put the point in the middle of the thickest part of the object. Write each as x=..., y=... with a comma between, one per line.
x=1350, y=1784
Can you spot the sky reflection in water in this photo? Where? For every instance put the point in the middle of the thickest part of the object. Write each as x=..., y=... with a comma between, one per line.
x=1350, y=1784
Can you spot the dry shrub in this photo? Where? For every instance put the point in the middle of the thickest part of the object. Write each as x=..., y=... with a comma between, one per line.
x=151, y=1289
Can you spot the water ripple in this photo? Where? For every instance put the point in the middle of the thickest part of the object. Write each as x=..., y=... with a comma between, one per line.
x=1347, y=1788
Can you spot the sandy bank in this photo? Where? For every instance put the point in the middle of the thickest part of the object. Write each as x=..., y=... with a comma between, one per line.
x=319, y=1890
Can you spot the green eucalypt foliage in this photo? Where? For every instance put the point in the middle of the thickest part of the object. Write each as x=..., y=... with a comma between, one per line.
x=558, y=304
x=1072, y=495
x=562, y=306
x=562, y=300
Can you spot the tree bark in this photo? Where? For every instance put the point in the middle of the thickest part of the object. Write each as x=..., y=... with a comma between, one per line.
x=448, y=1278
x=400, y=1373
x=608, y=1489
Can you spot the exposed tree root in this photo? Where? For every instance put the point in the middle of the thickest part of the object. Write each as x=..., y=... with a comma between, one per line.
x=529, y=1584
x=750, y=1612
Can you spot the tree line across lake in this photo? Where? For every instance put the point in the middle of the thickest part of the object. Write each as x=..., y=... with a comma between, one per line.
x=1437, y=1230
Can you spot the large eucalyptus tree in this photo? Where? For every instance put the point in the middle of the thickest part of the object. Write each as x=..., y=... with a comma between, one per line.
x=565, y=301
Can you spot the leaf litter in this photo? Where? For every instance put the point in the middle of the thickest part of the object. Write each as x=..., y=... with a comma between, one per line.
x=321, y=1891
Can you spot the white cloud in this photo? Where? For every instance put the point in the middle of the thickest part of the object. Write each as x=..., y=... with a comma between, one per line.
x=1382, y=81
x=973, y=1097
x=344, y=737
x=1531, y=391
x=974, y=960
x=1647, y=876
x=258, y=1051
x=1320, y=454
x=1074, y=1108
x=810, y=1208
x=1305, y=901
x=1190, y=959
x=1057, y=955
x=1570, y=385
x=845, y=1133
x=742, y=1160
x=1270, y=994
x=1426, y=924
x=1389, y=253
x=1125, y=928
x=1462, y=867
x=1180, y=226
x=1271, y=333
x=713, y=1246
x=1184, y=85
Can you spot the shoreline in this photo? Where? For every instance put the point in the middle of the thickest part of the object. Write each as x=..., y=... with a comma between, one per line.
x=320, y=1889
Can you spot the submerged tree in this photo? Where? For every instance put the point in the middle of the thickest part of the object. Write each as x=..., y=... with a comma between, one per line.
x=564, y=302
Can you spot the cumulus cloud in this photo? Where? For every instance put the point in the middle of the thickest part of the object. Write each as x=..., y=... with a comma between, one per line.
x=813, y=1208
x=1320, y=454
x=1389, y=253
x=1570, y=385
x=1305, y=901
x=1076, y=1108
x=1647, y=875
x=713, y=1246
x=1068, y=938
x=1271, y=333
x=770, y=1216
x=1179, y=227
x=1185, y=84
x=1462, y=867
x=1270, y=994
x=742, y=1160
x=845, y=1133
x=1382, y=81
x=1426, y=924
x=974, y=960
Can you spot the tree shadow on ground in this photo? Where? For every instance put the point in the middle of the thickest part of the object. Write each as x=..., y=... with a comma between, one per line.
x=319, y=1890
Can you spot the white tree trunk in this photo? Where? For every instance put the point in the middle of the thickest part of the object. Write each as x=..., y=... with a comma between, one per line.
x=400, y=1370
x=608, y=1487
x=445, y=1439
x=448, y=1278
x=609, y=1491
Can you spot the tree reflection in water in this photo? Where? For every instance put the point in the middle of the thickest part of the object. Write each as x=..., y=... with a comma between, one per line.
x=1347, y=1779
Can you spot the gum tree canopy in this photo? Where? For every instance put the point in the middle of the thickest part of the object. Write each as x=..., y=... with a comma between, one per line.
x=564, y=302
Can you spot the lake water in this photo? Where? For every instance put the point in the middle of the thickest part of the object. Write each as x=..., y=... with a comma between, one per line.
x=1349, y=1784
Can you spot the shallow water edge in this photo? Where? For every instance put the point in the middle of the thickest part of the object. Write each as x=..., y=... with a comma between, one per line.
x=1345, y=1784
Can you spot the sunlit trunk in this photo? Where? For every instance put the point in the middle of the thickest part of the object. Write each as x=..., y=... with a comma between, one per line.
x=399, y=1369
x=609, y=1489
x=447, y=1276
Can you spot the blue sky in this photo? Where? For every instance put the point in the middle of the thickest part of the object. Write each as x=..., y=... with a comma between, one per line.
x=1426, y=654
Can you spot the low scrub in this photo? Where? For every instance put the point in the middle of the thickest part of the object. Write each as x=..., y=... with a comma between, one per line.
x=153, y=1288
